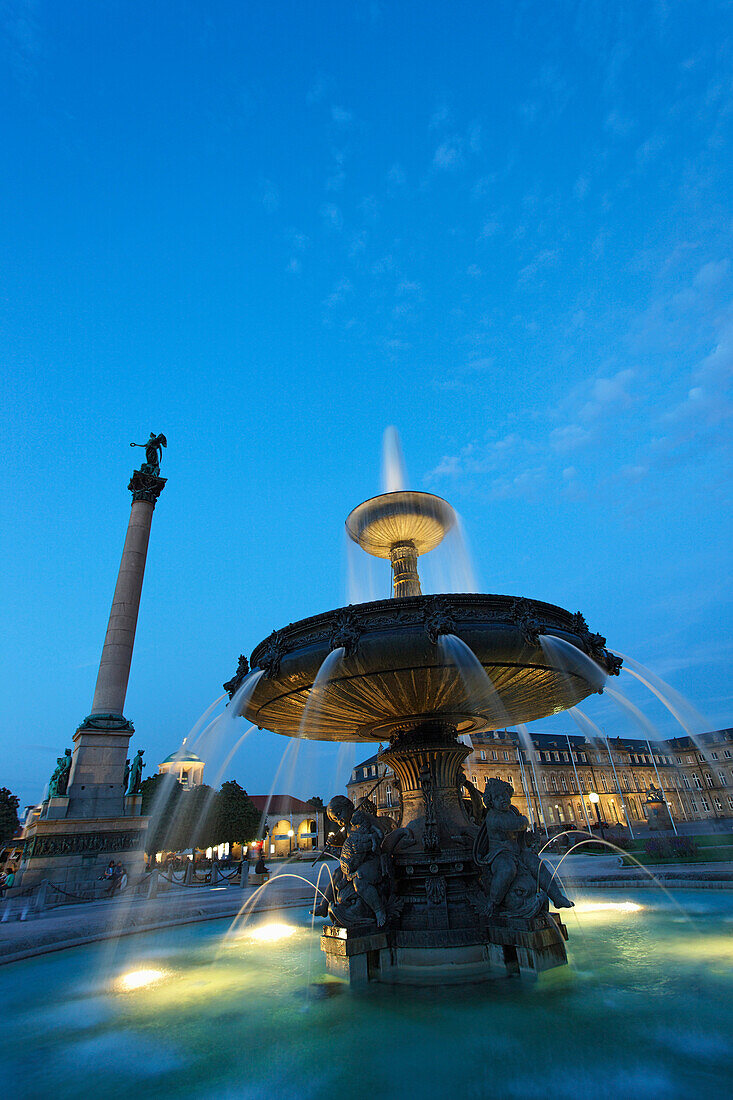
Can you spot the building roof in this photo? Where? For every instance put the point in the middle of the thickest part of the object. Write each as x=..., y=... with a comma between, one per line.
x=281, y=804
x=179, y=757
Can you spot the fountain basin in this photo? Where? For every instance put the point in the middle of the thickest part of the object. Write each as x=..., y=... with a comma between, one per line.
x=393, y=675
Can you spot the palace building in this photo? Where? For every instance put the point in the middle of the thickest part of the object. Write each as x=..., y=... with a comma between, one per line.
x=556, y=778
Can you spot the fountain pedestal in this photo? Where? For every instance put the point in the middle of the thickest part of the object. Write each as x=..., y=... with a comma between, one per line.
x=440, y=926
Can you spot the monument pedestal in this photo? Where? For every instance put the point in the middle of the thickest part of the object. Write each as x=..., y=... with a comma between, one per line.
x=72, y=854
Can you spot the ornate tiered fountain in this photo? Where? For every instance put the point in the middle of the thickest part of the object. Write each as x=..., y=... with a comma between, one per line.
x=455, y=892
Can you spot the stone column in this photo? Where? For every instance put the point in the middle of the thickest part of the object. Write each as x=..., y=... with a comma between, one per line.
x=96, y=782
x=406, y=580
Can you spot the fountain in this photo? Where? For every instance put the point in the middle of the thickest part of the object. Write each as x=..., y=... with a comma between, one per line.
x=448, y=895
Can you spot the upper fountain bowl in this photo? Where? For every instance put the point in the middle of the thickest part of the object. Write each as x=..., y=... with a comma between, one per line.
x=394, y=674
x=392, y=519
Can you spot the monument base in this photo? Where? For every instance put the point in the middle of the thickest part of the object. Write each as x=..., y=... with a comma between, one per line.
x=511, y=948
x=72, y=854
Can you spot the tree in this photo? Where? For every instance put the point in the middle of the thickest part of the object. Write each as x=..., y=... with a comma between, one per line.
x=179, y=818
x=235, y=819
x=9, y=823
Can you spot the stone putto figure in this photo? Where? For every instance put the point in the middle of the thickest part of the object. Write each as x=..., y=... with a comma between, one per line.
x=361, y=883
x=136, y=773
x=517, y=882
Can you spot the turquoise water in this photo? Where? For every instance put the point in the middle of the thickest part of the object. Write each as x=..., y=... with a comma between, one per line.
x=645, y=1009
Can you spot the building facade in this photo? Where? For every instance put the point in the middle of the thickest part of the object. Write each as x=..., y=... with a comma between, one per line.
x=291, y=825
x=556, y=778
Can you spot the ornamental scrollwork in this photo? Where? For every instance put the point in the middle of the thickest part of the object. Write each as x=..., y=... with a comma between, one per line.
x=521, y=612
x=438, y=619
x=273, y=651
x=231, y=687
x=346, y=632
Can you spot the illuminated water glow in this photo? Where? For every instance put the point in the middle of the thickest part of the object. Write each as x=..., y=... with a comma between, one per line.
x=138, y=979
x=607, y=906
x=269, y=933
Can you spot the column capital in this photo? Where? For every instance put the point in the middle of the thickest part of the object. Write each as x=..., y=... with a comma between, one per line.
x=146, y=486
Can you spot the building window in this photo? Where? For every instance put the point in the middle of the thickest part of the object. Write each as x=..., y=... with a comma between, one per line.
x=603, y=783
x=579, y=806
x=627, y=781
x=714, y=755
x=686, y=781
x=483, y=754
x=709, y=779
x=571, y=815
x=560, y=815
x=696, y=779
x=553, y=781
x=730, y=801
x=556, y=756
x=563, y=783
x=718, y=805
x=726, y=754
x=721, y=777
x=474, y=780
x=493, y=755
x=573, y=784
x=704, y=803
x=544, y=783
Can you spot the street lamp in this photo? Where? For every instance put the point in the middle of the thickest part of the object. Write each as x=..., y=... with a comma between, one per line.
x=594, y=799
x=291, y=834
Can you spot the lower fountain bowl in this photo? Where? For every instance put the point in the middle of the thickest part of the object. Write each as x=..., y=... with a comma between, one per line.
x=394, y=673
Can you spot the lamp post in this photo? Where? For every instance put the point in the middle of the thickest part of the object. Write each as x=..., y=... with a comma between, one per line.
x=593, y=797
x=291, y=834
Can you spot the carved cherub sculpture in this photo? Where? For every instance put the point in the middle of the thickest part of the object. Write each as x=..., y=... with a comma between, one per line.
x=516, y=881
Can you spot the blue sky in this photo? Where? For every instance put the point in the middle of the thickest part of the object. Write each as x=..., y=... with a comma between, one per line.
x=270, y=231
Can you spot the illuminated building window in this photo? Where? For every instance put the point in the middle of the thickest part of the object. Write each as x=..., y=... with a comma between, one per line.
x=603, y=783
x=563, y=783
x=553, y=781
x=627, y=781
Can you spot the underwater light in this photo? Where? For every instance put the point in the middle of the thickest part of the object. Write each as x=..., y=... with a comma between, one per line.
x=271, y=932
x=610, y=906
x=136, y=979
